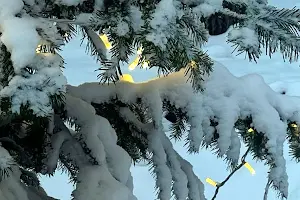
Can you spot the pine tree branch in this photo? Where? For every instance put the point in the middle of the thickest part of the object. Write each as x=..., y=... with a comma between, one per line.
x=267, y=189
x=95, y=46
x=5, y=120
x=29, y=178
x=231, y=174
x=227, y=12
x=14, y=146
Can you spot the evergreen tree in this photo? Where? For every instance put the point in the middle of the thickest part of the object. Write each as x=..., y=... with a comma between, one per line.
x=94, y=131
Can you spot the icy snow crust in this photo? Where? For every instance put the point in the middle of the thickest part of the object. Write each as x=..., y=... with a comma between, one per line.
x=226, y=99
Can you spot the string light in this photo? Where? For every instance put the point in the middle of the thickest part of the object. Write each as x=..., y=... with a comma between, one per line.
x=105, y=40
x=45, y=49
x=133, y=65
x=294, y=125
x=211, y=182
x=193, y=64
x=127, y=78
x=145, y=64
x=250, y=168
x=250, y=130
x=136, y=61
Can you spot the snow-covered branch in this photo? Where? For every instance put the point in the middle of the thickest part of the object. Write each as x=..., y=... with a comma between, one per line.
x=225, y=100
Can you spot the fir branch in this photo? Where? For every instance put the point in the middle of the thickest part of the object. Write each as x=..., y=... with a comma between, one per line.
x=94, y=46
x=267, y=190
x=219, y=185
x=29, y=178
x=68, y=166
x=122, y=46
x=11, y=145
x=237, y=16
x=276, y=30
x=109, y=68
x=178, y=119
x=130, y=137
x=6, y=119
x=200, y=66
x=195, y=28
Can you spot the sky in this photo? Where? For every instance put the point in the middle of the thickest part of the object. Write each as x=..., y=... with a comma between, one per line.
x=280, y=75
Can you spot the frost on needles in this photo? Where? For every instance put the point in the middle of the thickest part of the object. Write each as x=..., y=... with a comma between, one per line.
x=94, y=132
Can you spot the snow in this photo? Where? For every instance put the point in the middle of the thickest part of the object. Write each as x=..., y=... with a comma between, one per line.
x=36, y=88
x=208, y=7
x=69, y=2
x=21, y=39
x=136, y=18
x=160, y=22
x=5, y=159
x=246, y=38
x=10, y=185
x=279, y=75
x=122, y=28
x=10, y=8
x=109, y=178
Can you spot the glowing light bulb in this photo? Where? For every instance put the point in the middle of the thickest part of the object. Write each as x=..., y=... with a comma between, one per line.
x=140, y=51
x=294, y=125
x=45, y=49
x=133, y=65
x=127, y=78
x=105, y=40
x=250, y=168
x=136, y=61
x=38, y=48
x=211, y=182
x=250, y=130
x=145, y=64
x=193, y=64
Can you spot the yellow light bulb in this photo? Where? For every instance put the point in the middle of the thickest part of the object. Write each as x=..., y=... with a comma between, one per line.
x=127, y=78
x=38, y=49
x=133, y=65
x=193, y=64
x=211, y=182
x=250, y=130
x=105, y=40
x=140, y=51
x=45, y=49
x=250, y=168
x=294, y=125
x=145, y=64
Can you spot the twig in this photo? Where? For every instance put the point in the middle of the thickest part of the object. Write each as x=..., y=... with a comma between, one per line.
x=267, y=190
x=231, y=174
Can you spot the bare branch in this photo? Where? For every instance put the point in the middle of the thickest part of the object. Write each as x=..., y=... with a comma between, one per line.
x=231, y=174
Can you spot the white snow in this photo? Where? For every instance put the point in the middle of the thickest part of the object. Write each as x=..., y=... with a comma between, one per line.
x=136, y=18
x=108, y=179
x=36, y=88
x=160, y=22
x=5, y=159
x=122, y=28
x=10, y=8
x=279, y=75
x=69, y=2
x=208, y=7
x=20, y=37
